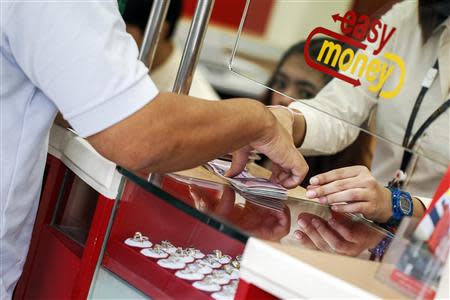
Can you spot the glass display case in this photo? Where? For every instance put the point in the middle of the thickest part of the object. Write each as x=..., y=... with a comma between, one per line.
x=193, y=209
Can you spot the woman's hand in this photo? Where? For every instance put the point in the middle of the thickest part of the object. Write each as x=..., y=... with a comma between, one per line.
x=259, y=221
x=339, y=235
x=352, y=190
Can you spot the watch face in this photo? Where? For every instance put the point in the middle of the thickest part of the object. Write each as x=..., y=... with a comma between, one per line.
x=405, y=205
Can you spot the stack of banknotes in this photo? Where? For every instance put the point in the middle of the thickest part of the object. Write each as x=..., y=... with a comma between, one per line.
x=246, y=183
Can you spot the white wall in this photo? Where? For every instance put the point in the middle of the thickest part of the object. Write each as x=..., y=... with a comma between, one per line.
x=293, y=20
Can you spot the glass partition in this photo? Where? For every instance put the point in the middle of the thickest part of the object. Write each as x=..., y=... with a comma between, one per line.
x=378, y=67
x=240, y=215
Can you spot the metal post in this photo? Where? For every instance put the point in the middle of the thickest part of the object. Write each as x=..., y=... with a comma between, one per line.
x=193, y=46
x=152, y=31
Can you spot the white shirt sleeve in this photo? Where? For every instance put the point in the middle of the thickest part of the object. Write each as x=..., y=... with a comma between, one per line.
x=326, y=132
x=80, y=56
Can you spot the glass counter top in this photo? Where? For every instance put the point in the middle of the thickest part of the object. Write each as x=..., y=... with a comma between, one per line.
x=241, y=216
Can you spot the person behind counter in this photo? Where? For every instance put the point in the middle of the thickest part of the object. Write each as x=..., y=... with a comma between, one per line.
x=167, y=56
x=78, y=59
x=296, y=80
x=422, y=34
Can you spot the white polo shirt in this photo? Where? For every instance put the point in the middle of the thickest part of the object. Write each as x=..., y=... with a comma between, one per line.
x=70, y=56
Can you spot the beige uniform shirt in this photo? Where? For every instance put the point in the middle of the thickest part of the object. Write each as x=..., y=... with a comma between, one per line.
x=326, y=135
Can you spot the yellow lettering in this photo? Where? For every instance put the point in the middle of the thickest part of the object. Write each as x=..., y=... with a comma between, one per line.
x=384, y=75
x=401, y=65
x=332, y=48
x=360, y=57
x=347, y=52
x=360, y=64
x=372, y=69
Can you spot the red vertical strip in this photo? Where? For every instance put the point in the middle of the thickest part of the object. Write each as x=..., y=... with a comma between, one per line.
x=93, y=247
x=228, y=13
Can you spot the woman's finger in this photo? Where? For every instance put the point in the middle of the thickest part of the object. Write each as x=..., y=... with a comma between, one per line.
x=304, y=240
x=342, y=229
x=307, y=228
x=355, y=207
x=336, y=174
x=334, y=239
x=334, y=187
x=351, y=195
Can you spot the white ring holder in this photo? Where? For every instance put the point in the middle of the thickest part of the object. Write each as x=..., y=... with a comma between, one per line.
x=183, y=255
x=220, y=277
x=172, y=263
x=232, y=271
x=202, y=268
x=197, y=254
x=138, y=241
x=168, y=247
x=227, y=293
x=206, y=285
x=154, y=253
x=220, y=257
x=226, y=259
x=212, y=263
x=189, y=274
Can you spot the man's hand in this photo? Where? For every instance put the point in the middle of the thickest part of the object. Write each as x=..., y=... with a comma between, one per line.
x=289, y=166
x=177, y=132
x=352, y=190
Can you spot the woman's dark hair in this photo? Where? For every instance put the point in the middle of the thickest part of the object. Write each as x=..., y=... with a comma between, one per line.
x=298, y=49
x=431, y=14
x=137, y=12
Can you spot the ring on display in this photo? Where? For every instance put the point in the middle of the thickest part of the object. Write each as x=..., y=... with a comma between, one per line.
x=155, y=252
x=236, y=264
x=168, y=247
x=191, y=272
x=206, y=285
x=173, y=263
x=138, y=240
x=217, y=253
x=220, y=277
x=201, y=268
x=210, y=262
x=227, y=293
x=197, y=254
x=234, y=283
x=183, y=255
x=223, y=259
x=232, y=271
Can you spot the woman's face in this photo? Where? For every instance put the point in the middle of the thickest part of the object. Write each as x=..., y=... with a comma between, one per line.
x=297, y=80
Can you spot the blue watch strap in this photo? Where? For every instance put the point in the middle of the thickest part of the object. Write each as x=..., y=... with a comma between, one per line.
x=397, y=212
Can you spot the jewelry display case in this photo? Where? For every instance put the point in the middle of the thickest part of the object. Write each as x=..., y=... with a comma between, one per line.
x=195, y=209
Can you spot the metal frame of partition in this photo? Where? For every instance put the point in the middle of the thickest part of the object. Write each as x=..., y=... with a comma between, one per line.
x=188, y=63
x=153, y=30
x=192, y=46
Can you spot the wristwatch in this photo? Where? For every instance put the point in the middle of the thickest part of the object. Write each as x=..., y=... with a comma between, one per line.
x=402, y=205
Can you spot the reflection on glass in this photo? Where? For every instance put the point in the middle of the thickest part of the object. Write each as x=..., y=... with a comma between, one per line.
x=276, y=220
x=76, y=207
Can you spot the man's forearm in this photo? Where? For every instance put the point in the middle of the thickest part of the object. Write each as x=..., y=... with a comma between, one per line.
x=176, y=132
x=299, y=129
